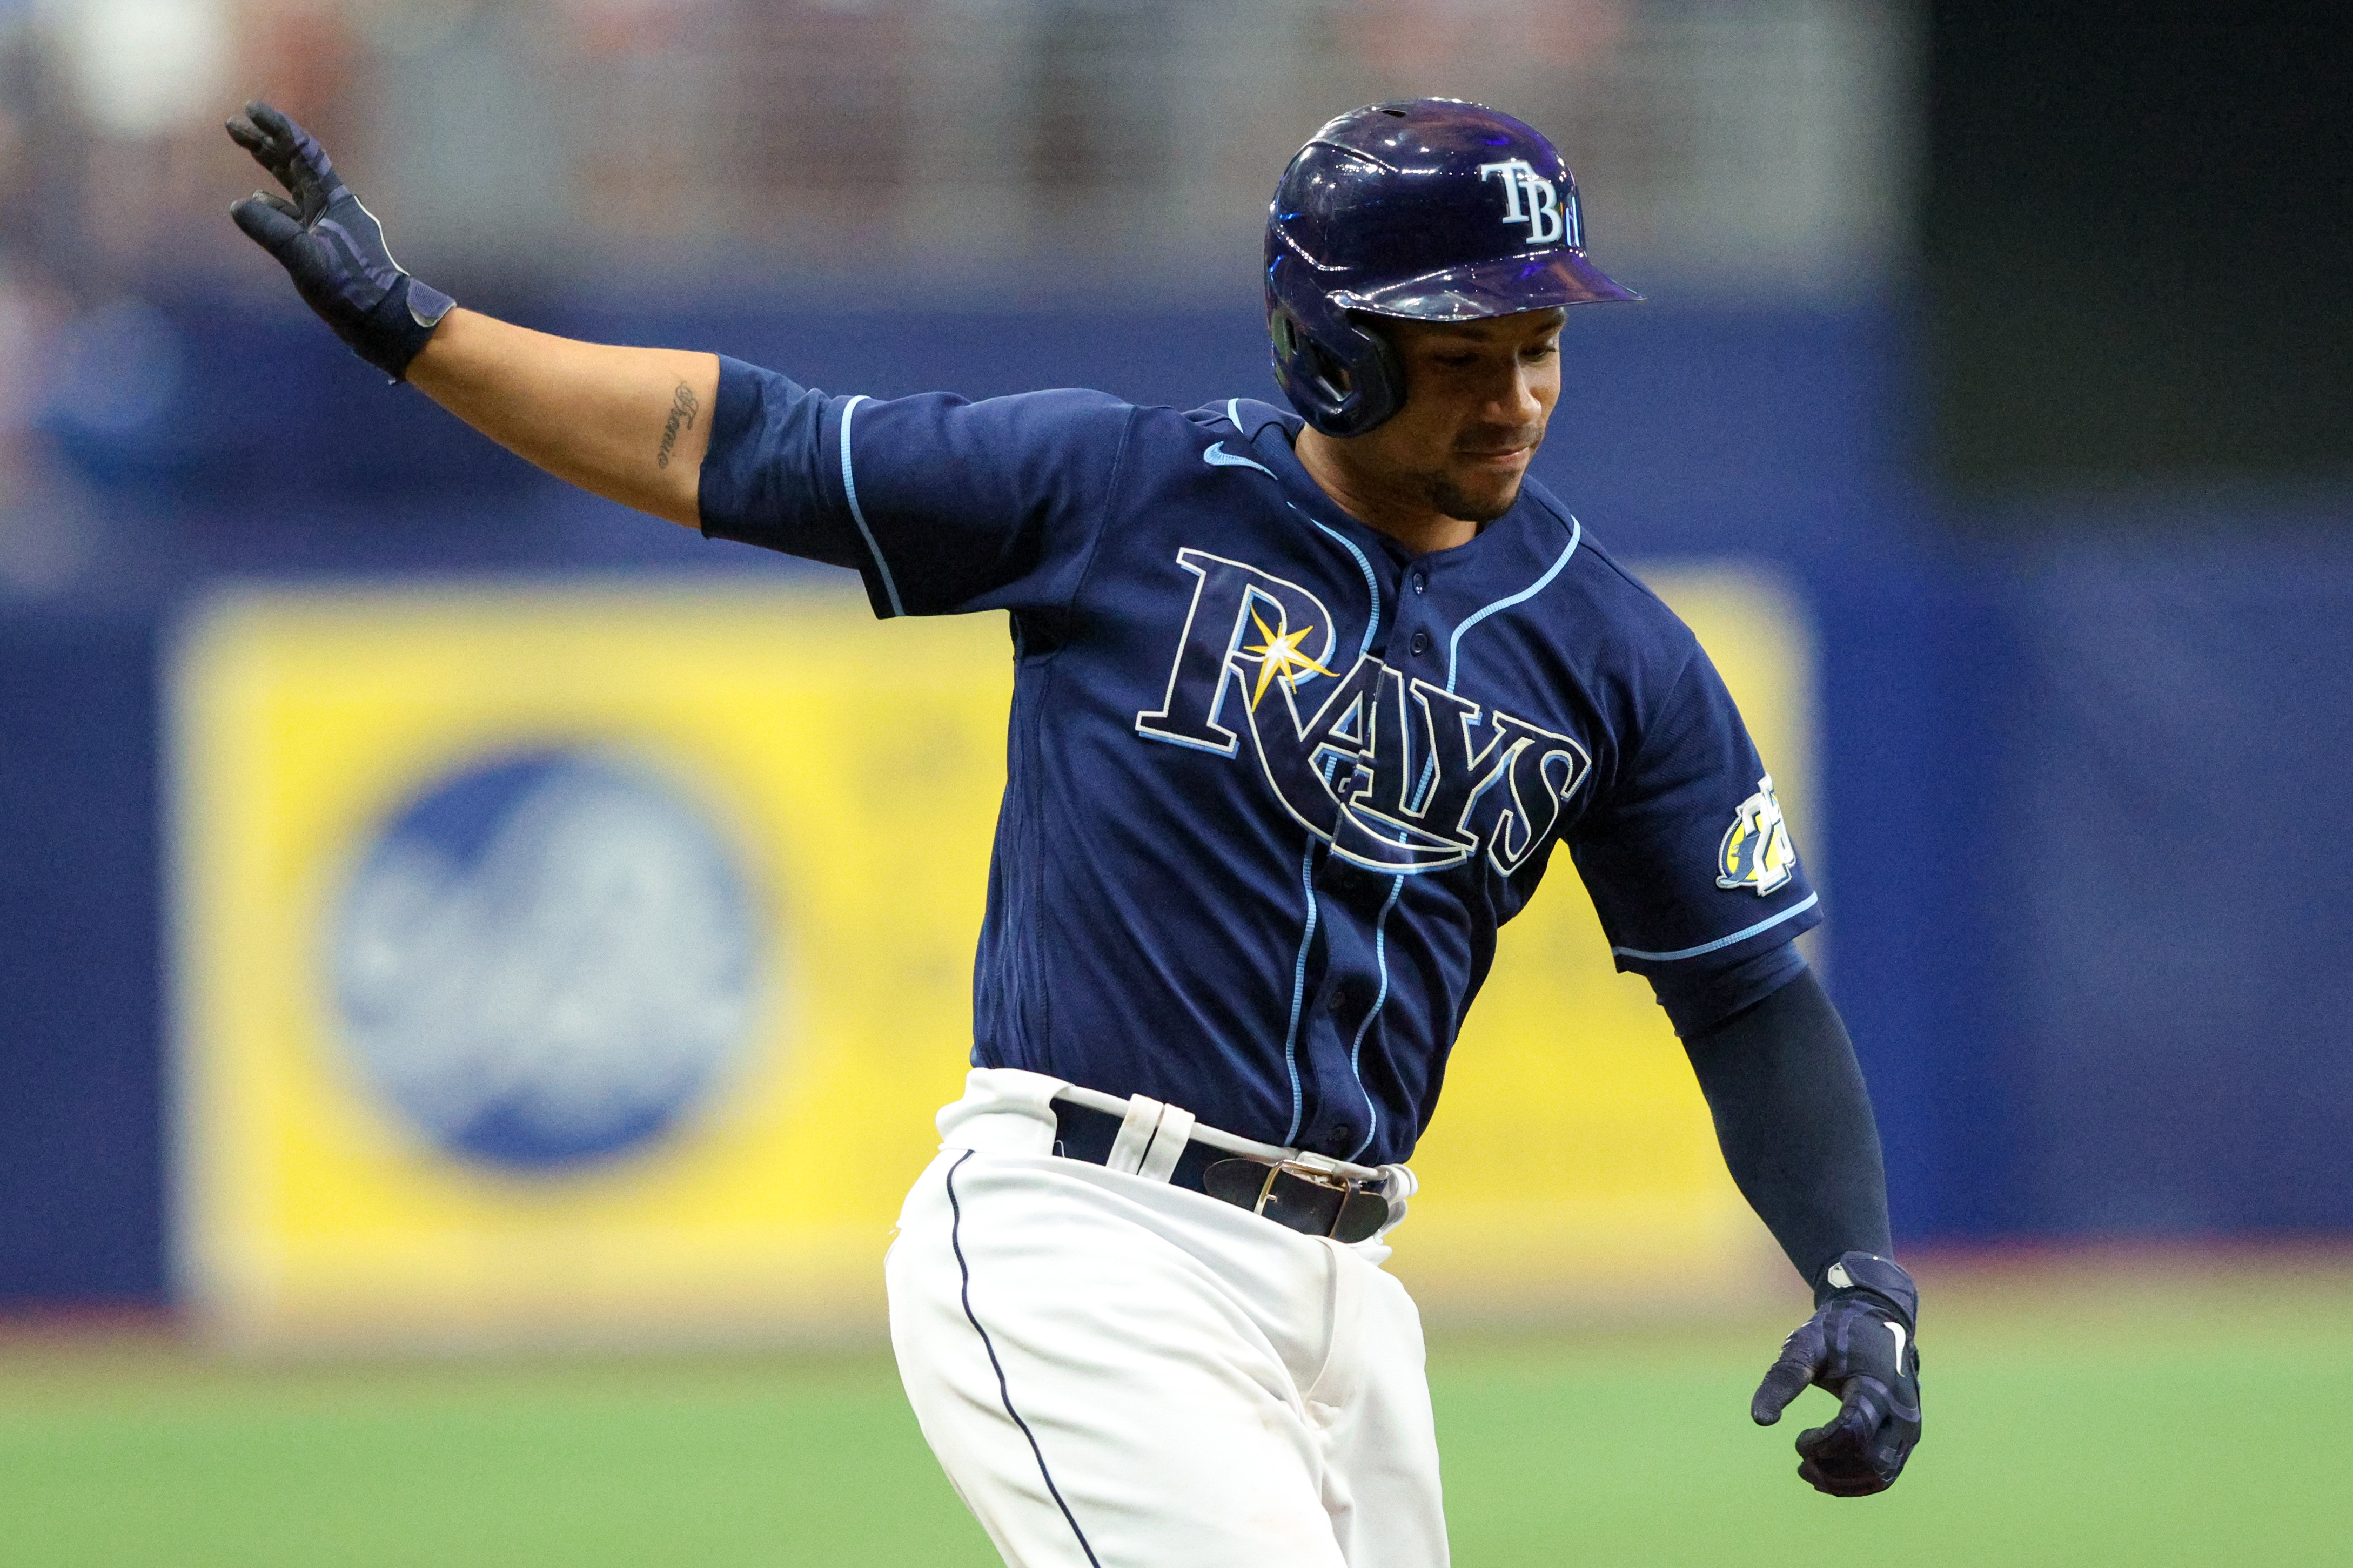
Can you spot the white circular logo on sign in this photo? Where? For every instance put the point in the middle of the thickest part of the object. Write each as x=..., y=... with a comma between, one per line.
x=545, y=958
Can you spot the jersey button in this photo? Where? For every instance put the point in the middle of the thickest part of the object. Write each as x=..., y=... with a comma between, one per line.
x=1343, y=1136
x=1420, y=643
x=1337, y=1001
x=1420, y=581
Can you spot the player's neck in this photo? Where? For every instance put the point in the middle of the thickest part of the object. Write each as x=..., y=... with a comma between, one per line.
x=1400, y=510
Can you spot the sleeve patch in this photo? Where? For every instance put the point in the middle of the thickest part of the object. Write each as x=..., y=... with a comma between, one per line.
x=1756, y=853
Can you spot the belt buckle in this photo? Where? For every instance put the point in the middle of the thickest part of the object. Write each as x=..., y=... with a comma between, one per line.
x=1311, y=1168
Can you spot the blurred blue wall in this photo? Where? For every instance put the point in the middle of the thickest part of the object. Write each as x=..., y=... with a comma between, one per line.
x=81, y=1174
x=2079, y=794
x=2179, y=1004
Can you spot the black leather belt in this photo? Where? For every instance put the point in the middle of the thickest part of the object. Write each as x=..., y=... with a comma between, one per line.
x=1300, y=1200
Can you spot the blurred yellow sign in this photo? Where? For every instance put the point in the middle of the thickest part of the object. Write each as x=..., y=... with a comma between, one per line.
x=575, y=961
x=375, y=794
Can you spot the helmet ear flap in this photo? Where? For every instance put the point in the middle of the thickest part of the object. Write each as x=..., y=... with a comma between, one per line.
x=1310, y=360
x=1343, y=379
x=1370, y=376
x=1382, y=373
x=1291, y=344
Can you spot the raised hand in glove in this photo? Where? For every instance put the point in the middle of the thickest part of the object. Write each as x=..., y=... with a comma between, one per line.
x=333, y=245
x=1859, y=1345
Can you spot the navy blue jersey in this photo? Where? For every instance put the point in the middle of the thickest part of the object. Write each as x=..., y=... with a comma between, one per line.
x=1272, y=781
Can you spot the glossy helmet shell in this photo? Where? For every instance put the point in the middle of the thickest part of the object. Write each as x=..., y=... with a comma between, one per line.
x=1427, y=209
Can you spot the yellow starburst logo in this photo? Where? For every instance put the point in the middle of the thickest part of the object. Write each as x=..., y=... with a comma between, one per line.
x=1279, y=656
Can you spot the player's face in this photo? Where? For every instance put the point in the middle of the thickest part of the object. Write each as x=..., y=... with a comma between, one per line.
x=1478, y=395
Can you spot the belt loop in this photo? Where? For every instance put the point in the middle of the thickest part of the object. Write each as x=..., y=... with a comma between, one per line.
x=1402, y=1184
x=1168, y=1140
x=1136, y=1130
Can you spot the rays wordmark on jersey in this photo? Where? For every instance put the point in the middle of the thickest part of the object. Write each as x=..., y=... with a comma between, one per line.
x=1397, y=773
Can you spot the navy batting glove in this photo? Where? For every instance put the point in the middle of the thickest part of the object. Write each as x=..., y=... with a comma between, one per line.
x=1859, y=1345
x=333, y=245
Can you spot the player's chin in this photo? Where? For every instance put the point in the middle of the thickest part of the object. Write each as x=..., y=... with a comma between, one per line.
x=1479, y=497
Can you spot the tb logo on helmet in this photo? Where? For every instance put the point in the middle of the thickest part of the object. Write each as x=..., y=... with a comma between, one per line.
x=1531, y=199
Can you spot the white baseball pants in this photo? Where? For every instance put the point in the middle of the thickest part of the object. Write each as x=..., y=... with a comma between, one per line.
x=1119, y=1374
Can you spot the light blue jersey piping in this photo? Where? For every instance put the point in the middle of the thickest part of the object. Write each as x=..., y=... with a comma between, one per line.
x=1794, y=910
x=1372, y=584
x=1454, y=644
x=858, y=514
x=1299, y=990
x=1454, y=648
x=1380, y=926
x=1356, y=1051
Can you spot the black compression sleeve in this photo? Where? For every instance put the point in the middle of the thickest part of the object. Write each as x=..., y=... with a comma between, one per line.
x=1794, y=1118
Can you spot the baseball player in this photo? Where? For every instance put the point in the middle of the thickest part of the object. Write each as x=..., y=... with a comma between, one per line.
x=1307, y=701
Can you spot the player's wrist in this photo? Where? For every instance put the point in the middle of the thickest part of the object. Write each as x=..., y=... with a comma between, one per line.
x=392, y=335
x=1872, y=1278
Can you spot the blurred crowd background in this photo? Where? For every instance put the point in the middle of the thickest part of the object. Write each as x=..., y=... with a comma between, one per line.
x=892, y=149
x=948, y=139
x=2002, y=347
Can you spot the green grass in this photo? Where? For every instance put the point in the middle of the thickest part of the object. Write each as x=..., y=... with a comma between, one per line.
x=133, y=1461
x=2144, y=1425
x=2213, y=1432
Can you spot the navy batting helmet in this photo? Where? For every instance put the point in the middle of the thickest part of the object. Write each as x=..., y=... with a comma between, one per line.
x=1428, y=209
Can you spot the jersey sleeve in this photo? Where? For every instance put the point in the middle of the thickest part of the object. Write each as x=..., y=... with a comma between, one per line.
x=939, y=504
x=1689, y=862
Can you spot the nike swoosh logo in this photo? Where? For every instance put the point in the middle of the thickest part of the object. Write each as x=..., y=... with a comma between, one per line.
x=1897, y=1329
x=1217, y=457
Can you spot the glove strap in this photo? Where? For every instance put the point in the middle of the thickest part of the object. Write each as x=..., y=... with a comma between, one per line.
x=1868, y=1274
x=397, y=330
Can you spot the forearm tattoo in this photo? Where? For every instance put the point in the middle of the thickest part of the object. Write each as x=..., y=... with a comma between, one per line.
x=683, y=410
